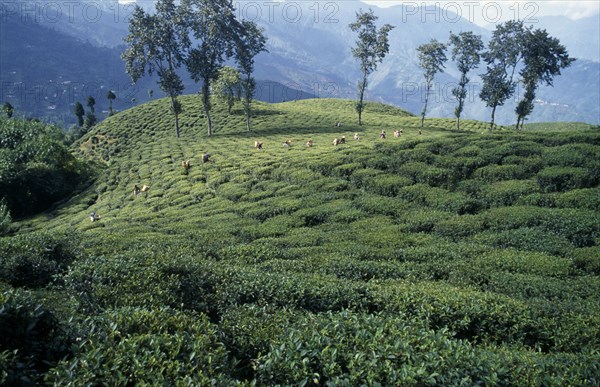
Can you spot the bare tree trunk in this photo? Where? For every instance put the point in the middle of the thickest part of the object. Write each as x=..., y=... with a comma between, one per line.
x=360, y=106
x=492, y=120
x=425, y=106
x=206, y=104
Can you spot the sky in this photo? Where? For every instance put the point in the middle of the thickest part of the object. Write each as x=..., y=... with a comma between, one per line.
x=490, y=12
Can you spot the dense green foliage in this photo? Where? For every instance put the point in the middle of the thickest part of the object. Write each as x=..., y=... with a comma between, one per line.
x=448, y=258
x=36, y=167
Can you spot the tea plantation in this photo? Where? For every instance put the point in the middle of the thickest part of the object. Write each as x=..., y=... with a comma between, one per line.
x=442, y=258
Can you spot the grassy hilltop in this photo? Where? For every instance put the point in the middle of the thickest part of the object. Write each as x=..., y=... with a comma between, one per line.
x=450, y=257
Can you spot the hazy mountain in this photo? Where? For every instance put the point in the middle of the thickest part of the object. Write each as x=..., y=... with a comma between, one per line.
x=45, y=71
x=309, y=55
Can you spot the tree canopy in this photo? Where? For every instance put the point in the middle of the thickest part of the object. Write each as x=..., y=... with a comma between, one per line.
x=371, y=47
x=156, y=44
x=432, y=57
x=466, y=50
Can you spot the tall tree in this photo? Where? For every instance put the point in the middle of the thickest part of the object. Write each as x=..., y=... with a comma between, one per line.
x=110, y=95
x=432, y=56
x=212, y=23
x=505, y=51
x=543, y=58
x=371, y=47
x=466, y=49
x=250, y=41
x=156, y=43
x=90, y=103
x=8, y=109
x=79, y=113
x=90, y=120
x=227, y=86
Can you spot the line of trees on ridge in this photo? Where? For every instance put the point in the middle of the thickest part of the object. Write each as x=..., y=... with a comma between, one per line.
x=515, y=54
x=199, y=35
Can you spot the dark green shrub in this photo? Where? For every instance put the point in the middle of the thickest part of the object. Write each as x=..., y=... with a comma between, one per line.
x=350, y=349
x=459, y=226
x=461, y=168
x=525, y=238
x=387, y=184
x=250, y=253
x=532, y=165
x=36, y=167
x=587, y=259
x=32, y=340
x=585, y=198
x=572, y=155
x=271, y=207
x=506, y=193
x=417, y=154
x=526, y=262
x=439, y=198
x=362, y=270
x=346, y=170
x=363, y=177
x=33, y=259
x=467, y=151
x=249, y=331
x=493, y=173
x=149, y=347
x=381, y=205
x=232, y=191
x=435, y=177
x=5, y=218
x=276, y=226
x=580, y=227
x=514, y=147
x=135, y=279
x=470, y=314
x=422, y=219
x=538, y=200
x=552, y=179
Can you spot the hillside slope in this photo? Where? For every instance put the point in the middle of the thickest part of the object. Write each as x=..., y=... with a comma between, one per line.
x=447, y=257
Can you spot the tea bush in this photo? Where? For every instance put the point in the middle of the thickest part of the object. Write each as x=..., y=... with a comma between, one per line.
x=579, y=227
x=437, y=258
x=515, y=261
x=526, y=238
x=388, y=185
x=349, y=349
x=469, y=314
x=461, y=168
x=439, y=198
x=459, y=226
x=32, y=260
x=552, y=179
x=507, y=192
x=138, y=346
x=572, y=155
x=103, y=282
x=585, y=198
x=587, y=259
x=494, y=173
x=32, y=340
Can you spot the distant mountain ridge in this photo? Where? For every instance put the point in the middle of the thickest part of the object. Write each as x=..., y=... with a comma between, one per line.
x=309, y=55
